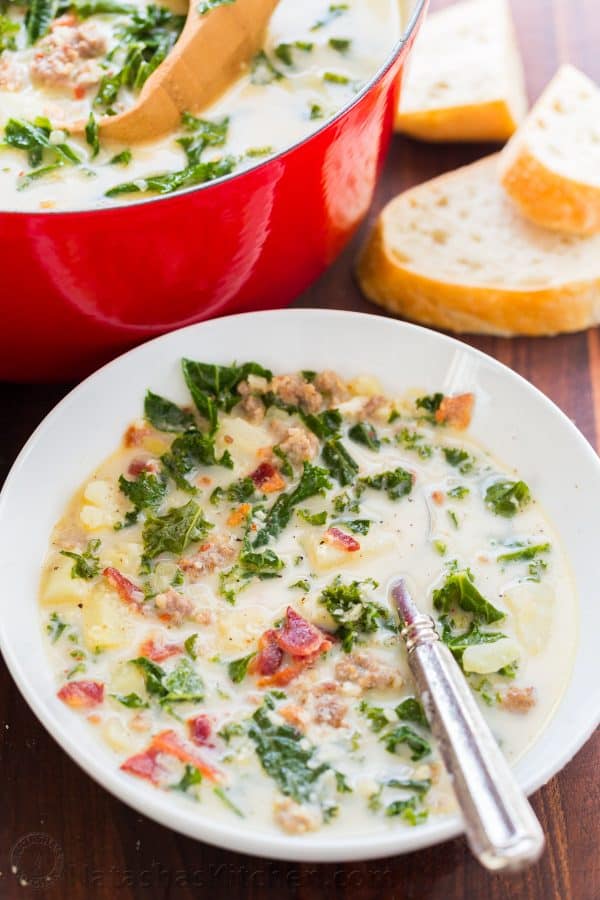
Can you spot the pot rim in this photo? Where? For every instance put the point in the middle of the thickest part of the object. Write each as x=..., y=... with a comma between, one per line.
x=419, y=7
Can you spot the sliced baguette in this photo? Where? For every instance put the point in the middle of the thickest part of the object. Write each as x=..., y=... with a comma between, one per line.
x=465, y=78
x=551, y=167
x=455, y=253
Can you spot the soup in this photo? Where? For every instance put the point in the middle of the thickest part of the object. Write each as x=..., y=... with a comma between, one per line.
x=93, y=56
x=215, y=598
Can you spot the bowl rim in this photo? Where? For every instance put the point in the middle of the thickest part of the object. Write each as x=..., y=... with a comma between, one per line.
x=418, y=11
x=142, y=797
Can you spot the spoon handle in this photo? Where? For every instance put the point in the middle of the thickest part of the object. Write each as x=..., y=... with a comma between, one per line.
x=500, y=825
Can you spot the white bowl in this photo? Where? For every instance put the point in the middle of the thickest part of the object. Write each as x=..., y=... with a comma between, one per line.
x=522, y=427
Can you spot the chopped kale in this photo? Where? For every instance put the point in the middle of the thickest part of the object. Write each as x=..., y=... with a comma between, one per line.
x=357, y=526
x=302, y=584
x=167, y=182
x=313, y=518
x=87, y=564
x=34, y=139
x=459, y=591
x=283, y=52
x=342, y=45
x=506, y=498
x=205, y=6
x=315, y=111
x=200, y=134
x=233, y=729
x=262, y=70
x=334, y=10
x=412, y=440
x=146, y=492
x=530, y=551
x=407, y=810
x=397, y=483
x=363, y=433
x=459, y=458
x=220, y=791
x=286, y=466
x=404, y=734
x=188, y=452
x=214, y=387
x=165, y=415
x=189, y=645
x=376, y=715
x=459, y=492
x=284, y=755
x=453, y=517
x=55, y=627
x=191, y=777
x=38, y=17
x=181, y=685
x=174, y=531
x=89, y=8
x=131, y=701
x=430, y=403
x=325, y=425
x=410, y=710
x=92, y=135
x=238, y=668
x=344, y=503
x=8, y=33
x=354, y=614
x=339, y=462
x=240, y=491
x=458, y=643
x=313, y=481
x=440, y=547
x=336, y=78
x=251, y=564
x=121, y=159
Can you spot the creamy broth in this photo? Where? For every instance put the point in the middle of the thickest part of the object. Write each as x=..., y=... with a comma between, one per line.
x=316, y=57
x=274, y=620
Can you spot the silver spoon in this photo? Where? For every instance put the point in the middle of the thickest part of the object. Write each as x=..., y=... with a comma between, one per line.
x=500, y=825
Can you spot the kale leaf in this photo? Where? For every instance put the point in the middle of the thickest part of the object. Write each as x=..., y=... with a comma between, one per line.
x=205, y=6
x=404, y=734
x=146, y=492
x=506, y=498
x=459, y=591
x=188, y=452
x=458, y=643
x=363, y=433
x=201, y=133
x=215, y=387
x=411, y=710
x=530, y=551
x=339, y=462
x=313, y=481
x=397, y=483
x=180, y=685
x=354, y=614
x=168, y=182
x=87, y=564
x=238, y=668
x=174, y=531
x=165, y=415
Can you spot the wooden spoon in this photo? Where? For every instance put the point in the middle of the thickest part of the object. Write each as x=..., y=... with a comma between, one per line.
x=211, y=53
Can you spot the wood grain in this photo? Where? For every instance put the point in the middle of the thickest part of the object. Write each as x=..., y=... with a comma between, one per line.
x=109, y=851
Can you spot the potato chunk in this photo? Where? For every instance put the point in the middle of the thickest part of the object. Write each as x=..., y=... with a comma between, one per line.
x=106, y=622
x=239, y=629
x=483, y=659
x=325, y=557
x=101, y=505
x=532, y=604
x=58, y=588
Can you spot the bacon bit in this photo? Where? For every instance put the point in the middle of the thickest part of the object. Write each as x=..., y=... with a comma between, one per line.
x=47, y=204
x=137, y=466
x=66, y=21
x=79, y=91
x=82, y=694
x=239, y=515
x=200, y=730
x=267, y=478
x=227, y=439
x=157, y=651
x=168, y=742
x=135, y=435
x=204, y=480
x=341, y=540
x=456, y=411
x=94, y=719
x=269, y=656
x=295, y=668
x=294, y=715
x=126, y=589
x=265, y=452
x=297, y=636
x=144, y=765
x=438, y=497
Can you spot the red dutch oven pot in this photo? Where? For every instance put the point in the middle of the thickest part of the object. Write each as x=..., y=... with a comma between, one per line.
x=78, y=287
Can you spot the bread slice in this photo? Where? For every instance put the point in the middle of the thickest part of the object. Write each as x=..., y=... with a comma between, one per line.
x=465, y=78
x=551, y=167
x=455, y=253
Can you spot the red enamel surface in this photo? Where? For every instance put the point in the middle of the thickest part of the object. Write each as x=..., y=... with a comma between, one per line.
x=80, y=287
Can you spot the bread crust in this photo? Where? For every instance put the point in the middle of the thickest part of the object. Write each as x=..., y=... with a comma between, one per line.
x=491, y=121
x=493, y=310
x=547, y=198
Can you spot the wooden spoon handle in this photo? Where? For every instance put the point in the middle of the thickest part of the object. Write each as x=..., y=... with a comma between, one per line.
x=212, y=52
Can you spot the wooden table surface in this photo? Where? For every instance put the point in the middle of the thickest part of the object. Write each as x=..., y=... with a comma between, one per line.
x=51, y=810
